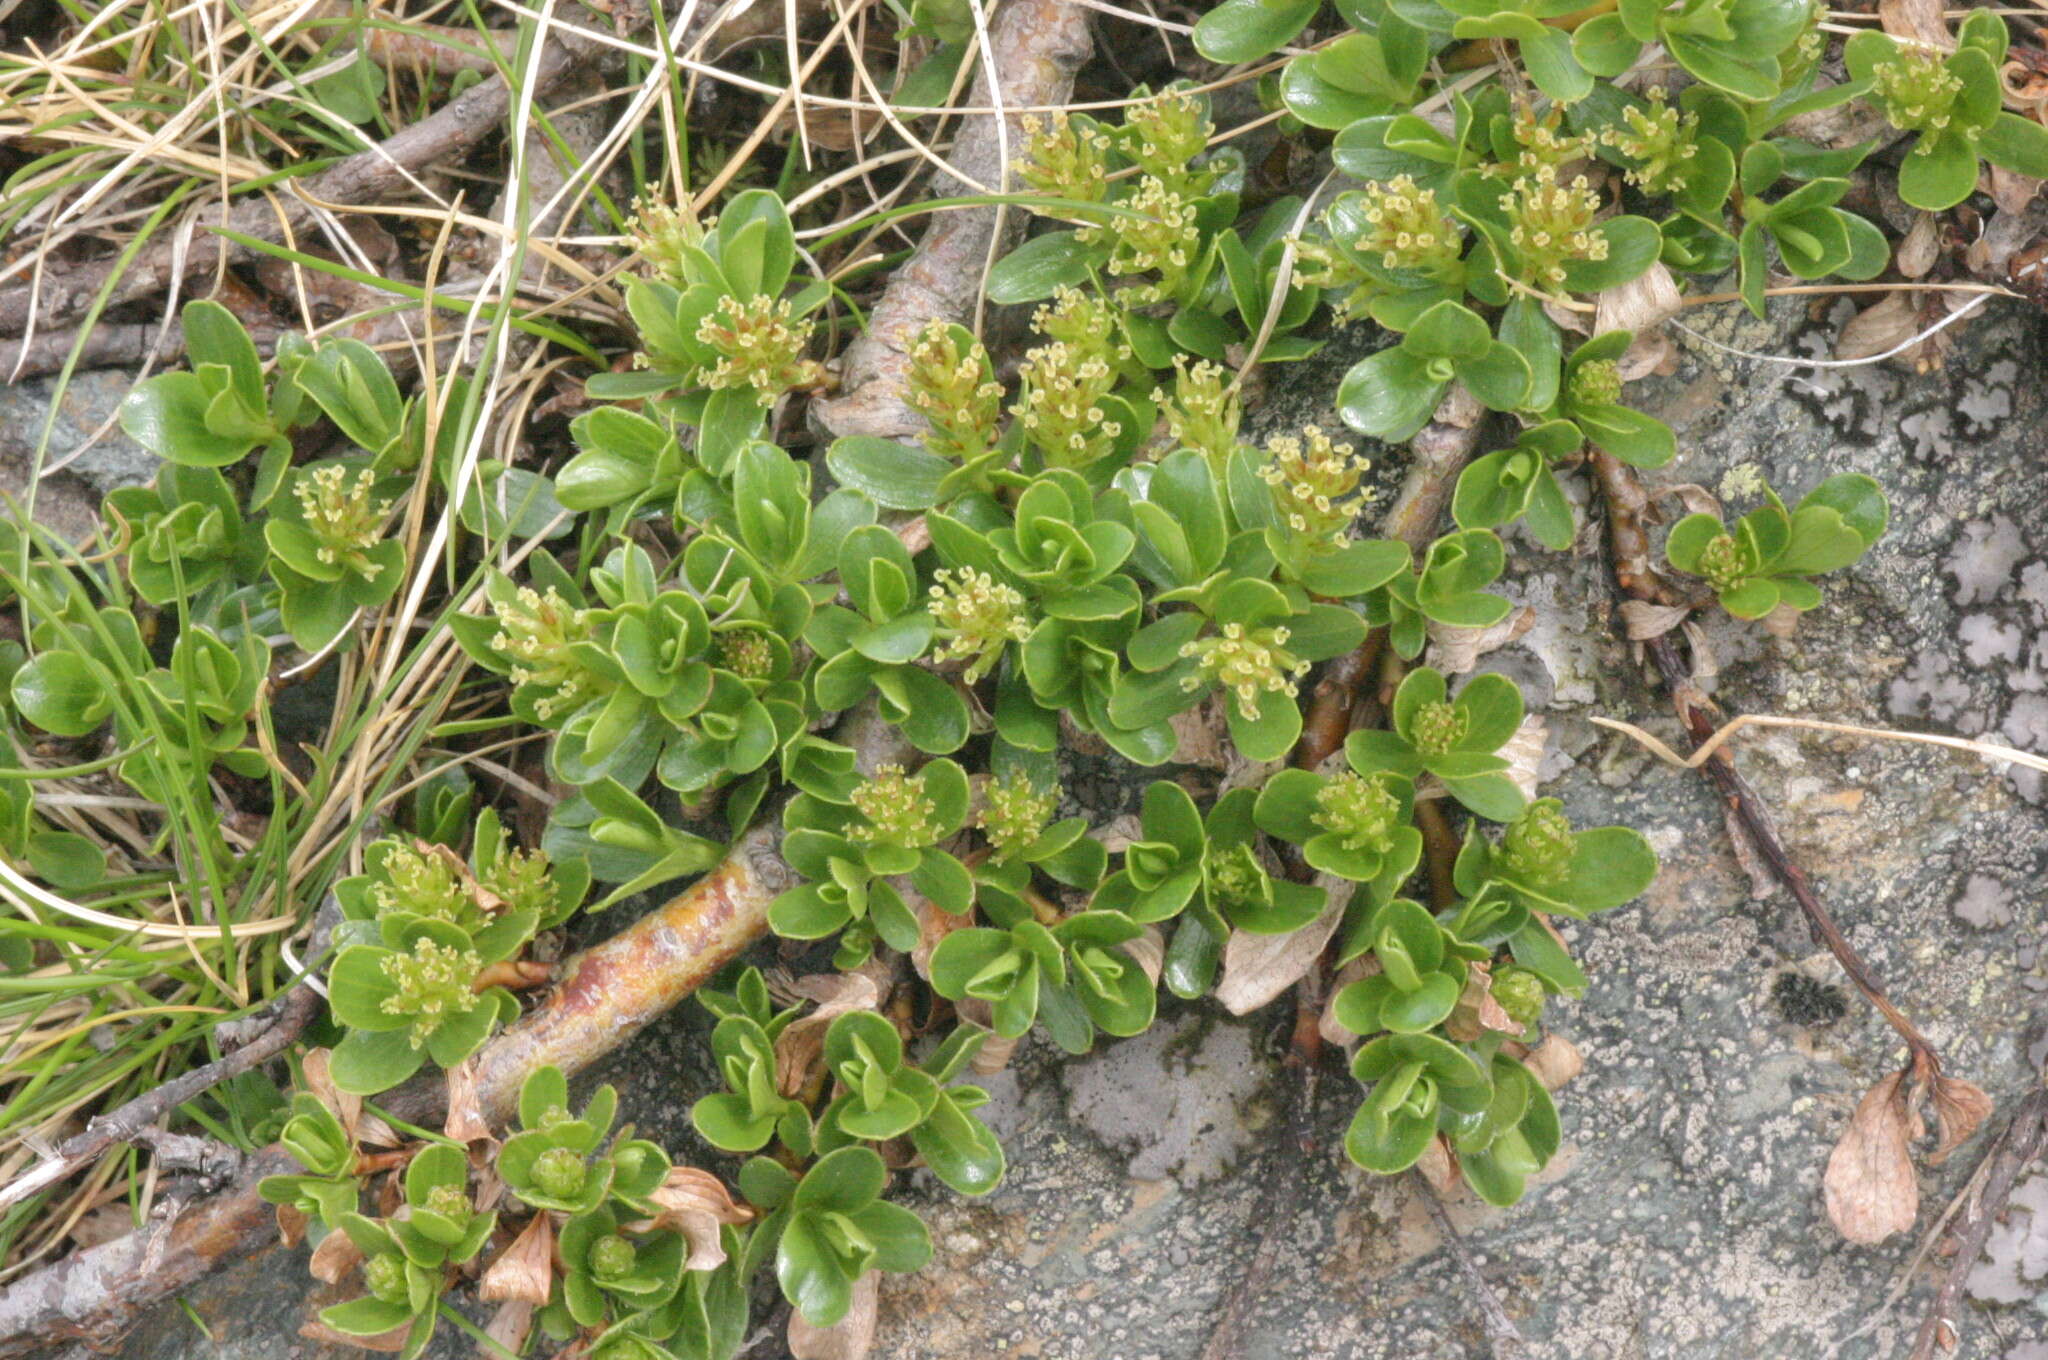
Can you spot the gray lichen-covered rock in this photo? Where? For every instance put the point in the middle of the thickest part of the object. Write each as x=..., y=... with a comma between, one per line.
x=1723, y=1049
x=84, y=453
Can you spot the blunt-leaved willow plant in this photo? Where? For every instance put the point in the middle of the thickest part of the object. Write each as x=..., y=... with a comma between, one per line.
x=1080, y=558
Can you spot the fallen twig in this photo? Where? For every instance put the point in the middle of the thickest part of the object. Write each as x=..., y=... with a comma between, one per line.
x=1037, y=47
x=291, y=1014
x=96, y=1295
x=2024, y=1138
x=62, y=292
x=1700, y=717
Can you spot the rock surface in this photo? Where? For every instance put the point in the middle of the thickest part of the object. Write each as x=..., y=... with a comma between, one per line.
x=1723, y=1049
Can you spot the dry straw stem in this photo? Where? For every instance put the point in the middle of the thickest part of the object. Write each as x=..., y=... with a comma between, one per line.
x=1989, y=750
x=1700, y=717
x=609, y=993
x=60, y=292
x=1032, y=50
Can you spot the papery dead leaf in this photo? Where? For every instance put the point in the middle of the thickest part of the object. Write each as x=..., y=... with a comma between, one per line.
x=361, y=1127
x=1555, y=1061
x=1916, y=21
x=1640, y=305
x=1257, y=968
x=1333, y=1033
x=995, y=1051
x=1201, y=736
x=1650, y=354
x=465, y=1122
x=2011, y=190
x=1118, y=834
x=1880, y=328
x=1781, y=622
x=1644, y=620
x=1705, y=666
x=1148, y=951
x=1524, y=754
x=696, y=1204
x=801, y=1044
x=1917, y=253
x=291, y=1226
x=524, y=1272
x=511, y=1324
x=933, y=925
x=1476, y=1011
x=1870, y=1187
x=1436, y=1166
x=1960, y=1107
x=850, y=1338
x=1454, y=649
x=335, y=1258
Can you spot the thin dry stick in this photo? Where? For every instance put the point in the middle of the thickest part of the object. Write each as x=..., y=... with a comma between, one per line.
x=65, y=291
x=1502, y=1335
x=2024, y=1138
x=292, y=1013
x=1036, y=45
x=1990, y=750
x=1700, y=717
x=610, y=993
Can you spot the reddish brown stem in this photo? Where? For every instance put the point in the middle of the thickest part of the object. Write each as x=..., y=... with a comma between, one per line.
x=1701, y=717
x=1436, y=456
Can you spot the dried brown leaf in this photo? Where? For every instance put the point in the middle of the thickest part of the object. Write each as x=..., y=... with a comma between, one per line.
x=1916, y=21
x=696, y=1204
x=1148, y=951
x=1555, y=1061
x=1455, y=650
x=1364, y=966
x=465, y=1122
x=850, y=1338
x=1880, y=328
x=2011, y=190
x=1524, y=754
x=801, y=1045
x=1959, y=1109
x=1640, y=305
x=1870, y=1186
x=1781, y=622
x=1437, y=1167
x=1477, y=1011
x=1645, y=620
x=1201, y=737
x=510, y=1325
x=291, y=1226
x=525, y=1270
x=1917, y=253
x=1257, y=968
x=334, y=1258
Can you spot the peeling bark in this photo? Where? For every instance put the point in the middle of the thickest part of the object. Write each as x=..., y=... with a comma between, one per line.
x=1038, y=45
